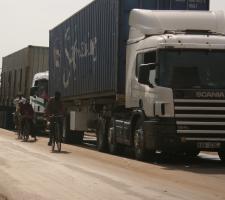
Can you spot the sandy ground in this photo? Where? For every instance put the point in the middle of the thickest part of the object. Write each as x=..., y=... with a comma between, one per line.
x=31, y=171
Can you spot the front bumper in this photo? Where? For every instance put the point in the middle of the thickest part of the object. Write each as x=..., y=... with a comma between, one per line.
x=160, y=134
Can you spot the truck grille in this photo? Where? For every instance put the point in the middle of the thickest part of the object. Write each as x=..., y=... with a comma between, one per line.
x=200, y=119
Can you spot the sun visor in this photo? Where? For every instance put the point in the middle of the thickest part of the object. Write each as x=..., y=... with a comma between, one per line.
x=149, y=22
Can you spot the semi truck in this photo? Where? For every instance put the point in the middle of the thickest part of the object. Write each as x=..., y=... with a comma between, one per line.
x=145, y=79
x=39, y=99
x=18, y=70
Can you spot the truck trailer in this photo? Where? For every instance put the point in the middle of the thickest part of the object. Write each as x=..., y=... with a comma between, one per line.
x=18, y=70
x=145, y=79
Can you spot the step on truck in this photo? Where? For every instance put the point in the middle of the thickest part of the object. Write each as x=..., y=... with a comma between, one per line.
x=155, y=85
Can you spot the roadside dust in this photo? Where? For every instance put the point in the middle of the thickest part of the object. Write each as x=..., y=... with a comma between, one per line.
x=82, y=173
x=2, y=197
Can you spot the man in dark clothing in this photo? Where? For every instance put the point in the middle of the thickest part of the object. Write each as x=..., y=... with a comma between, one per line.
x=27, y=114
x=54, y=107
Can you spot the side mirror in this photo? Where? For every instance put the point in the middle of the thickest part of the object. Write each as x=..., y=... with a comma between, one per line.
x=144, y=72
x=33, y=91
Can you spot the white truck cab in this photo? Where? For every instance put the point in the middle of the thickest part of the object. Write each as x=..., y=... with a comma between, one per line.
x=173, y=77
x=39, y=97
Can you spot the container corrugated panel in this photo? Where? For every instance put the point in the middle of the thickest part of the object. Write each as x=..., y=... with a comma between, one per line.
x=83, y=51
x=18, y=70
x=88, y=50
x=10, y=64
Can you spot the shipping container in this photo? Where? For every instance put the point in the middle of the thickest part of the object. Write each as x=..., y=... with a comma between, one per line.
x=18, y=70
x=88, y=50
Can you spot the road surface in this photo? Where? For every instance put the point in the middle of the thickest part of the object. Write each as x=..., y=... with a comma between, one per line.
x=31, y=171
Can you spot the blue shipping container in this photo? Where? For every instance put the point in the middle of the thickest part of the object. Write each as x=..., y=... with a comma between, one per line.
x=88, y=50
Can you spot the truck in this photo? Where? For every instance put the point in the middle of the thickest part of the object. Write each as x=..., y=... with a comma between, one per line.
x=39, y=99
x=145, y=79
x=18, y=70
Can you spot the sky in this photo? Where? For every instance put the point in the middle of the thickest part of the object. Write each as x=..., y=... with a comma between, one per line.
x=27, y=22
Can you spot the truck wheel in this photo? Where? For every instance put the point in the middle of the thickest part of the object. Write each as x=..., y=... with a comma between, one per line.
x=221, y=154
x=139, y=145
x=113, y=146
x=192, y=153
x=78, y=137
x=102, y=135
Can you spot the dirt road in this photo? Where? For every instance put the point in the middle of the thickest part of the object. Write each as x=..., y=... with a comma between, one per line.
x=30, y=171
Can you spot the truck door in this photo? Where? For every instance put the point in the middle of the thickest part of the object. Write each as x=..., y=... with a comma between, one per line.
x=142, y=93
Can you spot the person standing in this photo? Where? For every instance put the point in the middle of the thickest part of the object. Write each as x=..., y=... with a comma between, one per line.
x=27, y=115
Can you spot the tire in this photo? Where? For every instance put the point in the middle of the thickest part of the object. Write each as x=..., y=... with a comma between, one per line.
x=78, y=137
x=139, y=143
x=102, y=135
x=221, y=154
x=192, y=153
x=112, y=144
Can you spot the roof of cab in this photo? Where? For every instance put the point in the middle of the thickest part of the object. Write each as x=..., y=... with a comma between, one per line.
x=154, y=22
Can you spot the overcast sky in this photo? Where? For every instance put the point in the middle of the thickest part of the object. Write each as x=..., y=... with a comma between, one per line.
x=27, y=22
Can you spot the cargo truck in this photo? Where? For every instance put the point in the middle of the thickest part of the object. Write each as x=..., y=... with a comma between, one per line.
x=39, y=99
x=154, y=85
x=18, y=70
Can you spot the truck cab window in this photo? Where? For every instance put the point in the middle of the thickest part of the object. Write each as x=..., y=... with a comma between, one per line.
x=145, y=58
x=183, y=77
x=42, y=87
x=150, y=57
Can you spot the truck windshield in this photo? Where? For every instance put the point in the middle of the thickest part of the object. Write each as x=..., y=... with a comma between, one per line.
x=42, y=87
x=184, y=69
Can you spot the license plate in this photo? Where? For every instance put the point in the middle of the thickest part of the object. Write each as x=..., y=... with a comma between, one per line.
x=208, y=145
